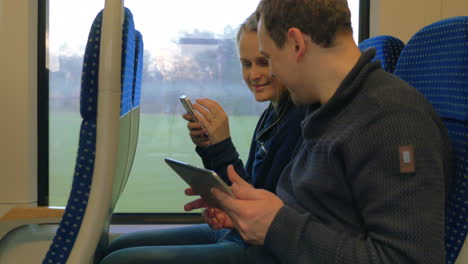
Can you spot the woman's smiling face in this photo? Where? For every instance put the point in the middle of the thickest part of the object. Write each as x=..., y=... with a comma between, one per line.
x=256, y=70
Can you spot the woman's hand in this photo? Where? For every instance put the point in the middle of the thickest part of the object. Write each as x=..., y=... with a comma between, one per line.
x=197, y=133
x=195, y=204
x=214, y=217
x=217, y=218
x=213, y=118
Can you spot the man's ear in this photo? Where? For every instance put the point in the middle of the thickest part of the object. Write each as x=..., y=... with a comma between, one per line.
x=296, y=38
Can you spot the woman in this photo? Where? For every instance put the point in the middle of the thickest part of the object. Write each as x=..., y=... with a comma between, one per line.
x=272, y=145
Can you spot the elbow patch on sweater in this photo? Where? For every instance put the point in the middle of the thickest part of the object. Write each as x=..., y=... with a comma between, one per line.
x=407, y=160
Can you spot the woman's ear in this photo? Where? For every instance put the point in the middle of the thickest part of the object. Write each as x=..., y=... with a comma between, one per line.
x=296, y=38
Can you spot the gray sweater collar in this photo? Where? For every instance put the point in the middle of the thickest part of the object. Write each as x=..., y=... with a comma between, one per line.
x=318, y=116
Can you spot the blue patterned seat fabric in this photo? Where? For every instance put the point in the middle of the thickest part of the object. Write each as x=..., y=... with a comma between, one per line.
x=135, y=119
x=128, y=63
x=138, y=69
x=435, y=61
x=70, y=224
x=388, y=50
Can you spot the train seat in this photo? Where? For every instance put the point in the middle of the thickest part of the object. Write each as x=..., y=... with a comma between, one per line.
x=110, y=108
x=435, y=61
x=388, y=50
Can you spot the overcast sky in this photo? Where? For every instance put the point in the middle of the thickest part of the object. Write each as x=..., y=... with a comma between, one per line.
x=159, y=21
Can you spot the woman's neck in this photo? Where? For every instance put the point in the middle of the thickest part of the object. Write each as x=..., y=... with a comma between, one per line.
x=280, y=99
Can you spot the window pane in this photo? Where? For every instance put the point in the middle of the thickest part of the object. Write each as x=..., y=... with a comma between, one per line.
x=189, y=50
x=69, y=24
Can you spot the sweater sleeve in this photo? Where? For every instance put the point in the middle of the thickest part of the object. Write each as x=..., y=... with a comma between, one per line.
x=402, y=213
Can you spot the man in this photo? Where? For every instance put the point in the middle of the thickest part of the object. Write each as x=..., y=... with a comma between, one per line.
x=368, y=181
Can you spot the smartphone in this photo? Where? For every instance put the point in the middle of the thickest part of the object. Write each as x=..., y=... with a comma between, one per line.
x=185, y=100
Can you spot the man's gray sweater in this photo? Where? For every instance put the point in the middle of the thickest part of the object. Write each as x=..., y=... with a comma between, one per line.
x=368, y=182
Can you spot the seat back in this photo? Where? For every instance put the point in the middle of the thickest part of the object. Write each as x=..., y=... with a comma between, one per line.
x=135, y=117
x=388, y=50
x=107, y=137
x=435, y=61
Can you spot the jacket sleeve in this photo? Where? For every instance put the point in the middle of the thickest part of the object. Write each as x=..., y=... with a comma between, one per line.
x=219, y=156
x=402, y=213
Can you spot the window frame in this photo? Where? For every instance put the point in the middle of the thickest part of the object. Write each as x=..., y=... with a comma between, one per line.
x=43, y=124
x=42, y=104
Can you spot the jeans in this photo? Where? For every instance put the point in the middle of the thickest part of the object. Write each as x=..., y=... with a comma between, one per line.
x=191, y=244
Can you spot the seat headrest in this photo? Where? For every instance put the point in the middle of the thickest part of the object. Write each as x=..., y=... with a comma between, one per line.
x=435, y=61
x=128, y=63
x=90, y=75
x=388, y=50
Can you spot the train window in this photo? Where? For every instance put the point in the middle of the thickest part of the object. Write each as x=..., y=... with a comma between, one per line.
x=189, y=49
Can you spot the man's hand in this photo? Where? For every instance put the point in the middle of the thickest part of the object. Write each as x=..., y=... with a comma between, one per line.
x=251, y=210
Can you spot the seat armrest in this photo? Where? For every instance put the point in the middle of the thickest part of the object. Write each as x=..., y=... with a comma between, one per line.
x=19, y=216
x=18, y=213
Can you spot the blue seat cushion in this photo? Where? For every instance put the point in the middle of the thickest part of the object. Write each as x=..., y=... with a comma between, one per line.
x=78, y=199
x=457, y=203
x=388, y=49
x=90, y=76
x=138, y=69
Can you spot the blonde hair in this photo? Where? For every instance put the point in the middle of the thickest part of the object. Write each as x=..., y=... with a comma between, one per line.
x=249, y=25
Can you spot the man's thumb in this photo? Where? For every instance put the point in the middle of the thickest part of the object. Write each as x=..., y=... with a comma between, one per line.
x=243, y=192
x=235, y=178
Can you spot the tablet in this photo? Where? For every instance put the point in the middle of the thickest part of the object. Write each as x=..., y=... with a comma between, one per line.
x=201, y=180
